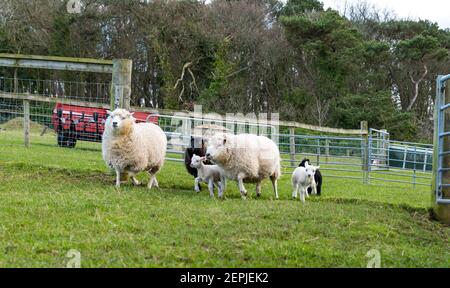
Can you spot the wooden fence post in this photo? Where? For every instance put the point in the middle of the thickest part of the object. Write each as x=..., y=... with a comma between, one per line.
x=121, y=89
x=292, y=145
x=26, y=122
x=365, y=150
x=121, y=84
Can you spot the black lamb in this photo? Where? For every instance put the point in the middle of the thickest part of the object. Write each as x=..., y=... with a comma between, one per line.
x=198, y=148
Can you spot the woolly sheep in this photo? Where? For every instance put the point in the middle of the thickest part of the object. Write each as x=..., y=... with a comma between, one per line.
x=130, y=148
x=302, y=178
x=246, y=158
x=211, y=174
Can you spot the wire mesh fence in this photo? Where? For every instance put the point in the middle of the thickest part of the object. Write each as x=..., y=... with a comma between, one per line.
x=90, y=92
x=69, y=110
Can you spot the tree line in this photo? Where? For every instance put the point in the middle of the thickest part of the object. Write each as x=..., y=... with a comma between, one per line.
x=295, y=58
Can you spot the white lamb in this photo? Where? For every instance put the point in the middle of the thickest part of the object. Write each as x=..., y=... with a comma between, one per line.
x=211, y=174
x=246, y=158
x=130, y=148
x=302, y=178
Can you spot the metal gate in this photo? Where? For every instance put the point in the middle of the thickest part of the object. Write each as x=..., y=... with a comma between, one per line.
x=440, y=135
x=378, y=149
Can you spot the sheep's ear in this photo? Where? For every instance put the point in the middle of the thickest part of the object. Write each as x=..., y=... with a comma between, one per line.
x=108, y=112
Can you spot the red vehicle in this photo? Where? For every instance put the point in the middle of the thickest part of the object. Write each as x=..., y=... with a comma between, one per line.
x=73, y=123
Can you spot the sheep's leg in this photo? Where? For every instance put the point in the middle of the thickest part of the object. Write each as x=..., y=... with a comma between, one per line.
x=211, y=187
x=302, y=194
x=241, y=186
x=295, y=191
x=152, y=182
x=155, y=182
x=196, y=186
x=258, y=189
x=135, y=181
x=314, y=189
x=219, y=188
x=222, y=186
x=117, y=178
x=306, y=191
x=275, y=186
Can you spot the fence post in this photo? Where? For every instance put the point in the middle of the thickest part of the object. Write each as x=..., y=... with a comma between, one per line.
x=318, y=152
x=365, y=150
x=121, y=89
x=16, y=81
x=292, y=145
x=26, y=122
x=327, y=150
x=441, y=211
x=121, y=84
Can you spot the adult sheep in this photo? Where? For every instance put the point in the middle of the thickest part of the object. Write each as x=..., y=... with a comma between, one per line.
x=246, y=158
x=130, y=148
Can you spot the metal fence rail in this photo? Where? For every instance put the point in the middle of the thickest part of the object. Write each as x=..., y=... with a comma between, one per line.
x=338, y=156
x=373, y=159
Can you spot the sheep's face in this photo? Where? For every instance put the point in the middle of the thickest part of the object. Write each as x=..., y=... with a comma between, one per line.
x=217, y=150
x=120, y=120
x=310, y=170
x=196, y=161
x=197, y=143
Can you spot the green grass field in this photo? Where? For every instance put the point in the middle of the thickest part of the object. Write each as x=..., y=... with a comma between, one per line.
x=54, y=200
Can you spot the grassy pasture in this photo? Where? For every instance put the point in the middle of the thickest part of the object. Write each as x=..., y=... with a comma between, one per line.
x=54, y=200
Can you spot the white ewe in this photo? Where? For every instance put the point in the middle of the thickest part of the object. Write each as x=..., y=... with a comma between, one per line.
x=211, y=174
x=246, y=158
x=302, y=178
x=130, y=148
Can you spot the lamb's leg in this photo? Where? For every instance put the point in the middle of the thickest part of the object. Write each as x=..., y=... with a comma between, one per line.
x=314, y=188
x=275, y=186
x=196, y=186
x=302, y=194
x=258, y=189
x=222, y=186
x=295, y=191
x=117, y=178
x=219, y=188
x=241, y=186
x=211, y=187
